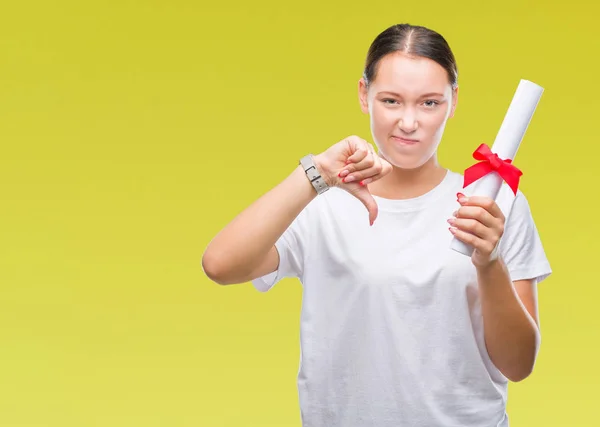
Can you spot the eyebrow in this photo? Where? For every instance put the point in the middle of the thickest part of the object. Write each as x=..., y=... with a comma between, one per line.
x=422, y=96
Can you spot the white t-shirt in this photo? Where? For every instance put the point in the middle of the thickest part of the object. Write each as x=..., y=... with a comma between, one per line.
x=391, y=326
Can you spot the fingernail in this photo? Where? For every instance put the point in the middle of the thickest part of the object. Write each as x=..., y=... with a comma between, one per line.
x=452, y=230
x=455, y=213
x=349, y=178
x=451, y=221
x=459, y=195
x=343, y=173
x=371, y=222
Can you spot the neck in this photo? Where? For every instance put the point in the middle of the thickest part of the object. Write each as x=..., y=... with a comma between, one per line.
x=409, y=183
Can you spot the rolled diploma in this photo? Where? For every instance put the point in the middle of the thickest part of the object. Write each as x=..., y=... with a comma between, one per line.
x=506, y=144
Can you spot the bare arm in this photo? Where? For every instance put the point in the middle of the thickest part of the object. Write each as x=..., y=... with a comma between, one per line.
x=509, y=309
x=510, y=318
x=245, y=248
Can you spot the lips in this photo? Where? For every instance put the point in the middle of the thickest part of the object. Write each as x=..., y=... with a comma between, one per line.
x=407, y=141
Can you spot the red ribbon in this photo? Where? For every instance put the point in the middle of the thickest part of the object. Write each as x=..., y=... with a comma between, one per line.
x=491, y=162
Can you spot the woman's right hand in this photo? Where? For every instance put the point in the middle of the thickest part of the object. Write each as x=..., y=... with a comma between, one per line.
x=351, y=165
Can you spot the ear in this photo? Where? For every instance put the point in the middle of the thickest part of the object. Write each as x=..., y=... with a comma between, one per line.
x=363, y=96
x=454, y=102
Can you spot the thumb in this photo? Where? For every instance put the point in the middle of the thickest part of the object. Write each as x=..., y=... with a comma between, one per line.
x=366, y=198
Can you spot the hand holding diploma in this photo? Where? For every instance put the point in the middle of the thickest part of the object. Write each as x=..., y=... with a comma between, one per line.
x=495, y=166
x=479, y=222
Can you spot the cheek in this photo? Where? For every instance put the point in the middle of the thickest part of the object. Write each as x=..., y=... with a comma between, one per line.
x=382, y=119
x=434, y=123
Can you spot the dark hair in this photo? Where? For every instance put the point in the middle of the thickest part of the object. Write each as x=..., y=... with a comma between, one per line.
x=412, y=40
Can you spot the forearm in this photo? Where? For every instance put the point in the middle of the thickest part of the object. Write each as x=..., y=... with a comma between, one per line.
x=245, y=242
x=511, y=335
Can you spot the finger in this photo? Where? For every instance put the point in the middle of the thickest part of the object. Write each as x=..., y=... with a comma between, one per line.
x=360, y=152
x=362, y=194
x=477, y=213
x=372, y=162
x=484, y=202
x=480, y=245
x=360, y=175
x=367, y=161
x=386, y=168
x=474, y=227
x=370, y=180
x=359, y=149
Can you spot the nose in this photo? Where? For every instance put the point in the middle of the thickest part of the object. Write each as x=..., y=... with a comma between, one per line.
x=407, y=122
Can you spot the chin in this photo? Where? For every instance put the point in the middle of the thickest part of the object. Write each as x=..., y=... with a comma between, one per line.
x=405, y=162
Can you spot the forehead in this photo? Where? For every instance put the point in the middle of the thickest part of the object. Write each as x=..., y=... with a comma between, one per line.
x=411, y=75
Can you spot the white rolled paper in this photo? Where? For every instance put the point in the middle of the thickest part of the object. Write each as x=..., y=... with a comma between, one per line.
x=506, y=144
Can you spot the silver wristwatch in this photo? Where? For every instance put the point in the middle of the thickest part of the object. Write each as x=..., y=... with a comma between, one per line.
x=313, y=174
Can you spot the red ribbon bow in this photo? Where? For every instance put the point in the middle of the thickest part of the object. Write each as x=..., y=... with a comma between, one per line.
x=491, y=162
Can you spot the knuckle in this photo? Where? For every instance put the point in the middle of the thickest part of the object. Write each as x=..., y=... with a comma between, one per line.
x=498, y=238
x=358, y=176
x=478, y=227
x=470, y=239
x=481, y=229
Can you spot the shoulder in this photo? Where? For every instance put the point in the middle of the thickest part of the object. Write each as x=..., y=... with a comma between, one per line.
x=513, y=205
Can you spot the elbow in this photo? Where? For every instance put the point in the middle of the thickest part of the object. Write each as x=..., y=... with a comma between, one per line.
x=213, y=268
x=519, y=367
x=523, y=368
x=518, y=375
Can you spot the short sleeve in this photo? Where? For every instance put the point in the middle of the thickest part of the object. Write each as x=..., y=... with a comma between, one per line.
x=521, y=246
x=291, y=251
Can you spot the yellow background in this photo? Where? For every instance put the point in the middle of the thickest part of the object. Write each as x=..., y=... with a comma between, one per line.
x=133, y=131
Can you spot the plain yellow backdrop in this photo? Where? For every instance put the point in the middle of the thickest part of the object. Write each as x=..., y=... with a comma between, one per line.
x=133, y=131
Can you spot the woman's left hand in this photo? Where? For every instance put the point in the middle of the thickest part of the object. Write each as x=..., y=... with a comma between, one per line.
x=479, y=222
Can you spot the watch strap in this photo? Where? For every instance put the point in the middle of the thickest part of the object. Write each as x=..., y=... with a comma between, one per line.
x=313, y=174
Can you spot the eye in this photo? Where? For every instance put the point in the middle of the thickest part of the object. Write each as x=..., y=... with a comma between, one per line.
x=431, y=103
x=388, y=101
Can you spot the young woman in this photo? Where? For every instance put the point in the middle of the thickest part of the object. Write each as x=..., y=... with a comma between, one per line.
x=397, y=329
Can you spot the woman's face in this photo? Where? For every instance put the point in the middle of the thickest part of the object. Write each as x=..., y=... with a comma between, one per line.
x=409, y=103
